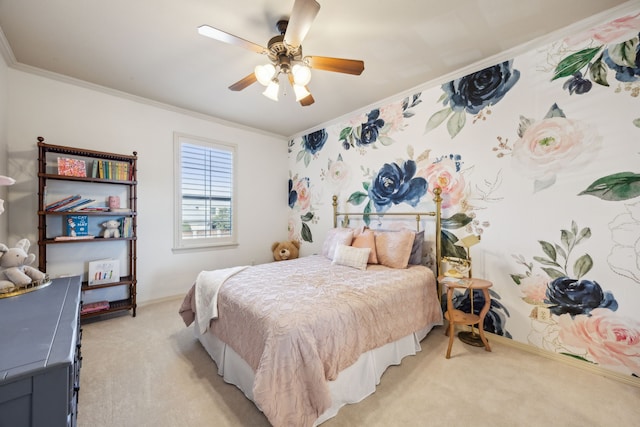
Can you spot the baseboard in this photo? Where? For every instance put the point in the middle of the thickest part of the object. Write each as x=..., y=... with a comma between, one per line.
x=627, y=379
x=163, y=299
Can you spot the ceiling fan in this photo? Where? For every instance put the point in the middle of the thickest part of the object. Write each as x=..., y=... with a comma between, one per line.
x=285, y=55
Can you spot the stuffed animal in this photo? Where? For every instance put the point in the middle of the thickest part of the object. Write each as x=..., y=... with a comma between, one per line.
x=14, y=266
x=289, y=249
x=111, y=228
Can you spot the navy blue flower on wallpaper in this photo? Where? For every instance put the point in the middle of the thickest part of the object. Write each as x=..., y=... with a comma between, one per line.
x=495, y=319
x=312, y=144
x=573, y=296
x=471, y=94
x=293, y=195
x=370, y=129
x=395, y=184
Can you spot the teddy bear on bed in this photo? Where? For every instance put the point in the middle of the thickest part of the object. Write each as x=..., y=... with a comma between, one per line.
x=289, y=249
x=14, y=266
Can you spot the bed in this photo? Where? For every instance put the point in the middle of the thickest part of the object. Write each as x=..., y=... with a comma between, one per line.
x=303, y=337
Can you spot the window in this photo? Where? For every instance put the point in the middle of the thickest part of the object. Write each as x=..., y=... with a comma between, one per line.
x=205, y=208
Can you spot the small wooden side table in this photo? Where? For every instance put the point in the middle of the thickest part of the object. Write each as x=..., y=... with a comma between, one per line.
x=458, y=317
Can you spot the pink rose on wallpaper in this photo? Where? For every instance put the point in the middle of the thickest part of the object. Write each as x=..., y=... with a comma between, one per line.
x=338, y=173
x=393, y=116
x=610, y=340
x=304, y=195
x=445, y=174
x=291, y=228
x=617, y=31
x=534, y=289
x=554, y=145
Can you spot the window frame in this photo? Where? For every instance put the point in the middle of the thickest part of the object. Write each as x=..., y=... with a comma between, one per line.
x=180, y=243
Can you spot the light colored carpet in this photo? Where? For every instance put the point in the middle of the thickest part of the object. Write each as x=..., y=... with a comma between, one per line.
x=151, y=371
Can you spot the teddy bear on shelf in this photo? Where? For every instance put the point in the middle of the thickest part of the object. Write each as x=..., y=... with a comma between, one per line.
x=282, y=251
x=14, y=266
x=111, y=229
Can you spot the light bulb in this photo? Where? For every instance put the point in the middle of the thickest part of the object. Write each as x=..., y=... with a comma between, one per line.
x=300, y=91
x=301, y=74
x=264, y=73
x=271, y=91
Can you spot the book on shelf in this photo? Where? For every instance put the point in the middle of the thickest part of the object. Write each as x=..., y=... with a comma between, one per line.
x=93, y=307
x=74, y=205
x=59, y=203
x=72, y=167
x=77, y=225
x=65, y=238
x=107, y=169
x=103, y=271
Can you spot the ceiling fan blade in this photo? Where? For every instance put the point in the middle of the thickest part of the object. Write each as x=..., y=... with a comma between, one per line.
x=220, y=35
x=243, y=83
x=308, y=100
x=302, y=16
x=338, y=65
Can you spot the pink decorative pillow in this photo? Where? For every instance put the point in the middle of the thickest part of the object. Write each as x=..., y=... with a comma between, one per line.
x=336, y=236
x=366, y=239
x=394, y=248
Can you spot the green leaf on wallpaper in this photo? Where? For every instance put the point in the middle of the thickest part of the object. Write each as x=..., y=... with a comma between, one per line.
x=585, y=233
x=456, y=123
x=636, y=122
x=560, y=251
x=306, y=233
x=616, y=187
x=546, y=261
x=367, y=213
x=566, y=237
x=307, y=158
x=575, y=62
x=553, y=273
x=385, y=140
x=449, y=247
x=456, y=221
x=598, y=72
x=555, y=111
x=410, y=151
x=357, y=198
x=575, y=356
x=300, y=155
x=344, y=134
x=582, y=265
x=517, y=278
x=307, y=217
x=624, y=53
x=548, y=249
x=437, y=119
x=365, y=185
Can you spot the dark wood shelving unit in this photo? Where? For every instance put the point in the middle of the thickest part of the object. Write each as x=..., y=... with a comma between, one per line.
x=46, y=153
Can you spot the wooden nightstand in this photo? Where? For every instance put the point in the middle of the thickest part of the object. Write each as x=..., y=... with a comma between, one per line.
x=458, y=317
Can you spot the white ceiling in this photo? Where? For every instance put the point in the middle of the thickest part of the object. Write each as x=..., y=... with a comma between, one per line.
x=151, y=49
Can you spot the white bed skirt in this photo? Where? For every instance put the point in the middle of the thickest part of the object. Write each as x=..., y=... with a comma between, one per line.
x=352, y=385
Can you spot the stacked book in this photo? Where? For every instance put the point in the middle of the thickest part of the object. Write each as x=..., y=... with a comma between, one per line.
x=69, y=204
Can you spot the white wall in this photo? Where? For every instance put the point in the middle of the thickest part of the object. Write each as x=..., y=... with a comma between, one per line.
x=3, y=141
x=67, y=114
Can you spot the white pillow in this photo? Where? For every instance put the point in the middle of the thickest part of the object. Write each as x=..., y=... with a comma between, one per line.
x=351, y=256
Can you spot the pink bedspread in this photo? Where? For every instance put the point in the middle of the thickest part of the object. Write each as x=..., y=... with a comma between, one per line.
x=299, y=323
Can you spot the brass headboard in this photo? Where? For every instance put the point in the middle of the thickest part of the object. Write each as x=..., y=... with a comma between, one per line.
x=418, y=215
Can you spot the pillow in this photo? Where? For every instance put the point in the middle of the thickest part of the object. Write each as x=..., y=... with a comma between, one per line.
x=394, y=247
x=416, y=250
x=336, y=236
x=351, y=256
x=366, y=239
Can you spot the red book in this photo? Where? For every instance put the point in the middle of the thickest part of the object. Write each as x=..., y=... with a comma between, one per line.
x=92, y=307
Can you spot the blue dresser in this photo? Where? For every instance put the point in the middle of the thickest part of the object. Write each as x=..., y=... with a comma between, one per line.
x=40, y=356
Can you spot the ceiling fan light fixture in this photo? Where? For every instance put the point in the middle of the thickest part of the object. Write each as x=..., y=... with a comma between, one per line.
x=300, y=91
x=272, y=90
x=301, y=74
x=265, y=73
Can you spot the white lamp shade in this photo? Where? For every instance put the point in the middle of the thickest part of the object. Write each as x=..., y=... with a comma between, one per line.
x=300, y=91
x=301, y=74
x=271, y=91
x=264, y=73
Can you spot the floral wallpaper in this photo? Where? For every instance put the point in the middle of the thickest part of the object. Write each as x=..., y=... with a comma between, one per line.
x=538, y=155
